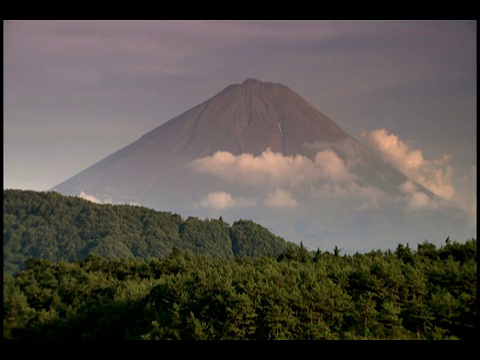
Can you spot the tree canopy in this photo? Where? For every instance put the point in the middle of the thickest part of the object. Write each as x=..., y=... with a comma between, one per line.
x=50, y=226
x=378, y=295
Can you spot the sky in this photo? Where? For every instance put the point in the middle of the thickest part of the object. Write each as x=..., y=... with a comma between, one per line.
x=77, y=91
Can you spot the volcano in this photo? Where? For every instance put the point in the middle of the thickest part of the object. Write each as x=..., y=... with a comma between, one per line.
x=259, y=150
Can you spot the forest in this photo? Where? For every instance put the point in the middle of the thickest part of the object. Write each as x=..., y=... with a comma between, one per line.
x=236, y=292
x=50, y=226
x=427, y=294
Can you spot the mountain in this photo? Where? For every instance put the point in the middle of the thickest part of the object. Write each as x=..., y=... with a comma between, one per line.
x=242, y=119
x=258, y=150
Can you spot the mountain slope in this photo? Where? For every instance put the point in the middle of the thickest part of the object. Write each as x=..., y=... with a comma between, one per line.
x=248, y=118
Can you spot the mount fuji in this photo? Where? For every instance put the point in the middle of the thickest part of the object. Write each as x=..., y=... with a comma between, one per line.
x=258, y=150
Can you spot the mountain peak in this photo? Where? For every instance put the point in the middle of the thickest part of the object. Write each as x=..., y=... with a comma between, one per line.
x=251, y=81
x=246, y=118
x=252, y=84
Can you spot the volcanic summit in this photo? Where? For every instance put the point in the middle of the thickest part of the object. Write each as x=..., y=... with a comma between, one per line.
x=242, y=119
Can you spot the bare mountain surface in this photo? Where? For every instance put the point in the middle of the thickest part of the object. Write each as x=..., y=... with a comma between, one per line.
x=265, y=121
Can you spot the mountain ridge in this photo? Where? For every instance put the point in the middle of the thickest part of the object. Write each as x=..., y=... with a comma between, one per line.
x=54, y=227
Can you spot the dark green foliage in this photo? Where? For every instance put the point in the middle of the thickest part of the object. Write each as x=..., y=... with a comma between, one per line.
x=208, y=237
x=250, y=239
x=78, y=270
x=49, y=226
x=425, y=294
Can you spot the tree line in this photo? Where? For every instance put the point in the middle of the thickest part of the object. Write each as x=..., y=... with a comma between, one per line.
x=427, y=293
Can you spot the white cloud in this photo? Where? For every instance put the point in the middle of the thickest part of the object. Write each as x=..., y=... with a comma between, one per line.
x=91, y=198
x=223, y=200
x=467, y=186
x=280, y=198
x=326, y=177
x=347, y=147
x=332, y=167
x=408, y=187
x=367, y=197
x=274, y=169
x=435, y=175
x=329, y=191
x=417, y=199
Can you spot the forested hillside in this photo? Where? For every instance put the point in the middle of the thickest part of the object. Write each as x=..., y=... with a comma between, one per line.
x=50, y=226
x=429, y=293
x=78, y=270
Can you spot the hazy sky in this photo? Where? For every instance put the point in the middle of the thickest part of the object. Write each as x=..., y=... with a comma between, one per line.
x=76, y=91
